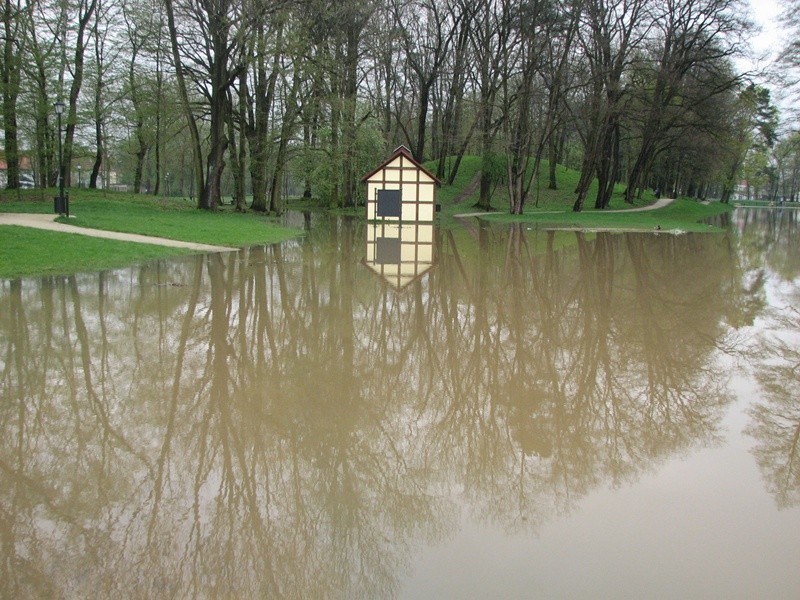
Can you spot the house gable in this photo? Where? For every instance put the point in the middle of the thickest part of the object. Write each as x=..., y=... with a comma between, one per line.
x=401, y=189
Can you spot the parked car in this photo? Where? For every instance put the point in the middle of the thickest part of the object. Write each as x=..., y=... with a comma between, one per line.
x=26, y=182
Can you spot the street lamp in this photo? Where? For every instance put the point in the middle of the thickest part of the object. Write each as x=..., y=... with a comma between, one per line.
x=79, y=175
x=62, y=204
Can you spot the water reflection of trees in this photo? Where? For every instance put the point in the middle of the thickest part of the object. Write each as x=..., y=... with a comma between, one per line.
x=768, y=240
x=276, y=424
x=775, y=421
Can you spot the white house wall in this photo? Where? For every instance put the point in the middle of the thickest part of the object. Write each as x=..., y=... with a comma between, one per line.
x=418, y=198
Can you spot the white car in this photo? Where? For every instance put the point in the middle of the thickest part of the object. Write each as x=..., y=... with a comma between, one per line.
x=26, y=182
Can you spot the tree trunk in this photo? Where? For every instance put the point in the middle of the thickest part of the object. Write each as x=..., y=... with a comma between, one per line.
x=461, y=152
x=485, y=198
x=10, y=82
x=218, y=141
x=197, y=155
x=237, y=157
x=258, y=129
x=75, y=88
x=451, y=114
x=98, y=107
x=349, y=116
x=35, y=71
x=159, y=109
x=552, y=155
x=276, y=202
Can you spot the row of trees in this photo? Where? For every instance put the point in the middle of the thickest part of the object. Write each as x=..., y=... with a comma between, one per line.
x=246, y=94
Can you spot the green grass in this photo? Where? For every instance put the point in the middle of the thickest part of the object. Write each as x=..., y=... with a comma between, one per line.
x=764, y=203
x=681, y=215
x=684, y=215
x=174, y=218
x=29, y=252
x=548, y=207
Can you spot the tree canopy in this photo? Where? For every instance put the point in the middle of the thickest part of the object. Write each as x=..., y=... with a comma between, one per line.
x=258, y=100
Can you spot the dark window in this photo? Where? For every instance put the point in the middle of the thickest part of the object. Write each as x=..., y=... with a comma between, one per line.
x=389, y=203
x=387, y=251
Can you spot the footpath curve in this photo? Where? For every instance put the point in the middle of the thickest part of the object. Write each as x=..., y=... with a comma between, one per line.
x=655, y=206
x=47, y=222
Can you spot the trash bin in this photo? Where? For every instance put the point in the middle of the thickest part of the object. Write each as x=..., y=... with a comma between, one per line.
x=61, y=204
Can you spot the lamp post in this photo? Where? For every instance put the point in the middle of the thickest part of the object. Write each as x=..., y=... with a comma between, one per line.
x=79, y=175
x=62, y=204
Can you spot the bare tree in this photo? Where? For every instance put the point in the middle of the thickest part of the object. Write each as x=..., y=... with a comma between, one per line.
x=611, y=31
x=696, y=38
x=427, y=34
x=85, y=25
x=491, y=40
x=13, y=50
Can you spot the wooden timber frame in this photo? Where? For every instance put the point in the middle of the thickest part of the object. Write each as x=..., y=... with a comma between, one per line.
x=401, y=190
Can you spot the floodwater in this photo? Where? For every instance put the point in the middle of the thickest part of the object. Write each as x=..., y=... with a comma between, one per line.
x=374, y=412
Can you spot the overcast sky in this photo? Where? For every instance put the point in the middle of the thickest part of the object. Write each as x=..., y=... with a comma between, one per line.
x=765, y=13
x=767, y=44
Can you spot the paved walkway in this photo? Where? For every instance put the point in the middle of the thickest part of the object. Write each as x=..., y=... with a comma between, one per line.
x=655, y=206
x=44, y=221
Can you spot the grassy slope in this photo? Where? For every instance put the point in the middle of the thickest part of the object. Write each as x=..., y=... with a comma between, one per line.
x=684, y=214
x=30, y=252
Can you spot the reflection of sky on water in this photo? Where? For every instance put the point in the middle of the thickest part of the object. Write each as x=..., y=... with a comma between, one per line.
x=773, y=423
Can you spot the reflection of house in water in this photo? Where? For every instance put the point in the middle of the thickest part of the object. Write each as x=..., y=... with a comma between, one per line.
x=399, y=254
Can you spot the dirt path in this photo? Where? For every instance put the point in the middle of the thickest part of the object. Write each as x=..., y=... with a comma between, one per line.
x=42, y=221
x=468, y=191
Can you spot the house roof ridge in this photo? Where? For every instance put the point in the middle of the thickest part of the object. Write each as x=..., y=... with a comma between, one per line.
x=402, y=150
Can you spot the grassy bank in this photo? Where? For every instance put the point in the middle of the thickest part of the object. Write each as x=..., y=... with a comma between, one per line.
x=27, y=252
x=174, y=218
x=553, y=208
x=766, y=204
x=682, y=215
x=32, y=252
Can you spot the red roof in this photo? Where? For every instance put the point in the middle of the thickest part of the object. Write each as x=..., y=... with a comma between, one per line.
x=24, y=163
x=401, y=151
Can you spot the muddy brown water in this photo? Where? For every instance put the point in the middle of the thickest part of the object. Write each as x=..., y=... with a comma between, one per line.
x=374, y=412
